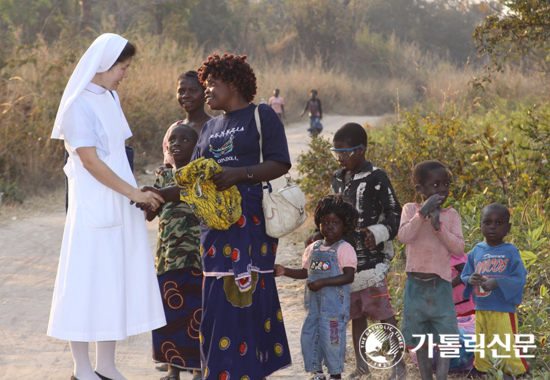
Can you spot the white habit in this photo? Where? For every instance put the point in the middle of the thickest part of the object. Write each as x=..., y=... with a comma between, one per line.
x=106, y=287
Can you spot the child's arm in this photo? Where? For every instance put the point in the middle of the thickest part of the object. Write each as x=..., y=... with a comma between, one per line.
x=450, y=234
x=298, y=274
x=411, y=222
x=513, y=280
x=384, y=194
x=151, y=214
x=457, y=279
x=343, y=279
x=305, y=108
x=467, y=272
x=320, y=109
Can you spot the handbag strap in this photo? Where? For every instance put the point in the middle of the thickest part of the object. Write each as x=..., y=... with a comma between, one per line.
x=259, y=126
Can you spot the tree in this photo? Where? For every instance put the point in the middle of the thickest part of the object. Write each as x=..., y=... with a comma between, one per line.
x=26, y=19
x=517, y=28
x=324, y=28
x=213, y=24
x=440, y=26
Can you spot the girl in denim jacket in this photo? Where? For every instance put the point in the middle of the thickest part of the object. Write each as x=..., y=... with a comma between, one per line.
x=329, y=266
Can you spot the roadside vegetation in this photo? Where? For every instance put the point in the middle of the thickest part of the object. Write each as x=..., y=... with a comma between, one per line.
x=487, y=118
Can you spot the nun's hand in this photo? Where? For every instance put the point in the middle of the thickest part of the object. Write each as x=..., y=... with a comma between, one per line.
x=148, y=194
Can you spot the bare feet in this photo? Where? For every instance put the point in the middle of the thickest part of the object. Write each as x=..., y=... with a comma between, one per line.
x=359, y=373
x=399, y=371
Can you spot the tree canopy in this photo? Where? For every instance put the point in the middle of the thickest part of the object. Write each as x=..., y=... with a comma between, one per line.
x=317, y=29
x=517, y=29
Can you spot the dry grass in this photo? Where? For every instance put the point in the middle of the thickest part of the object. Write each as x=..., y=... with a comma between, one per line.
x=32, y=85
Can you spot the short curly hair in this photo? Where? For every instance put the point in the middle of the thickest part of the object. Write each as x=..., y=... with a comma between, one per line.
x=342, y=207
x=232, y=69
x=421, y=170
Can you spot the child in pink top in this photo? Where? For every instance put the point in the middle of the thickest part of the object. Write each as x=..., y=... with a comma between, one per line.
x=277, y=103
x=431, y=235
x=329, y=266
x=464, y=307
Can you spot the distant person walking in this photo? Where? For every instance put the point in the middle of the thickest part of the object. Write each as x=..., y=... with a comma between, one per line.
x=277, y=103
x=313, y=105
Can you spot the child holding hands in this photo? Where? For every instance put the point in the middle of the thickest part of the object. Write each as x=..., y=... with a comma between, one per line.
x=179, y=268
x=495, y=275
x=329, y=266
x=431, y=234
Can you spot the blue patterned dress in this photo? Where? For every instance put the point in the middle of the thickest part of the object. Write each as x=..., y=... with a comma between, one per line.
x=242, y=331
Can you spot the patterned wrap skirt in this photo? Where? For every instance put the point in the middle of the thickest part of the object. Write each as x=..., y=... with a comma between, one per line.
x=249, y=342
x=177, y=343
x=243, y=335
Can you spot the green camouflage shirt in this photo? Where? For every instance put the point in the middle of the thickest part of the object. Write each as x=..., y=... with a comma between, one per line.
x=179, y=232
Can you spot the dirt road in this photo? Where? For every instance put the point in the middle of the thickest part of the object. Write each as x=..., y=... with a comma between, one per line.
x=29, y=251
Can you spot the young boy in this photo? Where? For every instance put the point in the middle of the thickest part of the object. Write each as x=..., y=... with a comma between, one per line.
x=496, y=276
x=315, y=114
x=370, y=190
x=277, y=103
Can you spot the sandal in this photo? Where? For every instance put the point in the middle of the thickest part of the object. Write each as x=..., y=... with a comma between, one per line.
x=171, y=377
x=162, y=368
x=358, y=374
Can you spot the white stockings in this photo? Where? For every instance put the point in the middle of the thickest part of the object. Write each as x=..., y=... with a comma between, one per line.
x=105, y=361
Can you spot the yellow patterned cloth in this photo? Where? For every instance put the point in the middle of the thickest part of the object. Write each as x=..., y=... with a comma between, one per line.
x=215, y=209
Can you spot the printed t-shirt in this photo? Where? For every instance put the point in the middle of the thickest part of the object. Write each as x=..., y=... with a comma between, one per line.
x=345, y=253
x=276, y=103
x=232, y=139
x=503, y=263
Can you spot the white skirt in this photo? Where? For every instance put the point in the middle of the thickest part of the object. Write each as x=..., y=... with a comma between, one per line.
x=106, y=287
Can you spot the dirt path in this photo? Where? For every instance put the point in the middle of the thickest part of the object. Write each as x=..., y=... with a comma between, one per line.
x=29, y=251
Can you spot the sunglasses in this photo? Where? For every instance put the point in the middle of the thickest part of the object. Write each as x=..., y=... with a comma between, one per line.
x=344, y=153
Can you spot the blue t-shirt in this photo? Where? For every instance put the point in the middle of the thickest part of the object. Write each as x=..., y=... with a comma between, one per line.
x=503, y=263
x=232, y=138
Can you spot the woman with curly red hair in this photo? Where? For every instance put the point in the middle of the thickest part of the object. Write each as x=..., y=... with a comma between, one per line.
x=242, y=330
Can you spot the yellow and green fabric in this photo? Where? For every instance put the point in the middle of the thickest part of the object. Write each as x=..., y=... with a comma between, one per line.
x=215, y=209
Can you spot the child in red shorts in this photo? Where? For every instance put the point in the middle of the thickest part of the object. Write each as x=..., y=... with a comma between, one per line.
x=495, y=276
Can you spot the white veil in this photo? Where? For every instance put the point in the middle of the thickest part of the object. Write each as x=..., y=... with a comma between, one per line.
x=99, y=57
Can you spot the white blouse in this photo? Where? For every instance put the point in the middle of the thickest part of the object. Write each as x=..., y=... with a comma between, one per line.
x=82, y=127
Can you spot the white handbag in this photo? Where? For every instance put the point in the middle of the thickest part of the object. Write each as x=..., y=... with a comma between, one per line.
x=285, y=210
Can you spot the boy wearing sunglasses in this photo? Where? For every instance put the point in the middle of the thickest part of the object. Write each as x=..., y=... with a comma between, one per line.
x=370, y=190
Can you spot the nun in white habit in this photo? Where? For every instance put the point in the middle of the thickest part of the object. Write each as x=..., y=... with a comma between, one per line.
x=106, y=288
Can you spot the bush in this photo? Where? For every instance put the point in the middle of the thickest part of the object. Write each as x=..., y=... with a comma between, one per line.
x=502, y=160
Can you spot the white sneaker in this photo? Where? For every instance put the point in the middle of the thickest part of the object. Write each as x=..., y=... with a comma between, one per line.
x=317, y=376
